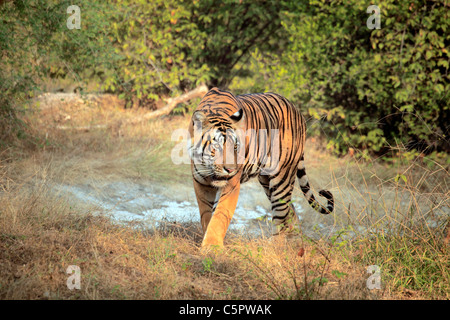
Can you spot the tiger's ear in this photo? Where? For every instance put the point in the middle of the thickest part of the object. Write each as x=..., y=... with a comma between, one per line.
x=199, y=116
x=238, y=115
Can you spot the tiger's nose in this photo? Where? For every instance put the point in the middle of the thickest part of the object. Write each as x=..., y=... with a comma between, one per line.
x=228, y=170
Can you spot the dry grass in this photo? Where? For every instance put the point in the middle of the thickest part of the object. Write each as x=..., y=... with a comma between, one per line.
x=41, y=235
x=133, y=151
x=394, y=216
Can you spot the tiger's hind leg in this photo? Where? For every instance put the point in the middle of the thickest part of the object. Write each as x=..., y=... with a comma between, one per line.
x=280, y=194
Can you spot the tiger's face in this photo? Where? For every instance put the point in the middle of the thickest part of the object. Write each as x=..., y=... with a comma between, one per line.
x=216, y=147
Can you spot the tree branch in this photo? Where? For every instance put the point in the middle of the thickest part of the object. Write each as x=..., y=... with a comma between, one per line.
x=171, y=104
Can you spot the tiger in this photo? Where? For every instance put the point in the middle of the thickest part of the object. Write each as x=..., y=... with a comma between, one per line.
x=236, y=138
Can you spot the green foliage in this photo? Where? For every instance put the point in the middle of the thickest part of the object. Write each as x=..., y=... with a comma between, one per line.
x=171, y=45
x=207, y=264
x=35, y=43
x=417, y=260
x=369, y=90
x=88, y=53
x=17, y=73
x=151, y=37
x=372, y=89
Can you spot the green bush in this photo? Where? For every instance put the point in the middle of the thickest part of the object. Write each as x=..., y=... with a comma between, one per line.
x=169, y=46
x=369, y=90
x=35, y=44
x=372, y=89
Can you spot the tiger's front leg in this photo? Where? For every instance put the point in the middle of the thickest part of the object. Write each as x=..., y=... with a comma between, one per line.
x=225, y=203
x=206, y=197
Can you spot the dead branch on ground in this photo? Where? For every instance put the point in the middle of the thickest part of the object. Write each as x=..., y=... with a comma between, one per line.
x=171, y=104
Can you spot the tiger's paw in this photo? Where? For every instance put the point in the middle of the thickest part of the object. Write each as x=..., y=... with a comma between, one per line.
x=212, y=242
x=211, y=249
x=287, y=231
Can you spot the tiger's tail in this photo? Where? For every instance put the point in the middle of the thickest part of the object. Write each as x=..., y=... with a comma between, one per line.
x=307, y=192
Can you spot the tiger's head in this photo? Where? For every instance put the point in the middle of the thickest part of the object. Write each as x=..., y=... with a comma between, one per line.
x=216, y=145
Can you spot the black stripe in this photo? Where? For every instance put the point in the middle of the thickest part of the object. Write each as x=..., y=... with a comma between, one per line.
x=280, y=217
x=283, y=179
x=279, y=204
x=301, y=173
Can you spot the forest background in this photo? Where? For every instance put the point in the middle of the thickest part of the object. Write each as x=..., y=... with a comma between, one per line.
x=365, y=89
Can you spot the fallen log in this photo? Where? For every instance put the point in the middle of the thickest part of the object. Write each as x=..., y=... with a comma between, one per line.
x=171, y=104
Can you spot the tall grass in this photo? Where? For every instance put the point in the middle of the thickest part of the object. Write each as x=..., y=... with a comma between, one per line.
x=396, y=217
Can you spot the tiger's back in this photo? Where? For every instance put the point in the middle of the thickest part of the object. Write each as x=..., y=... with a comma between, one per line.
x=273, y=118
